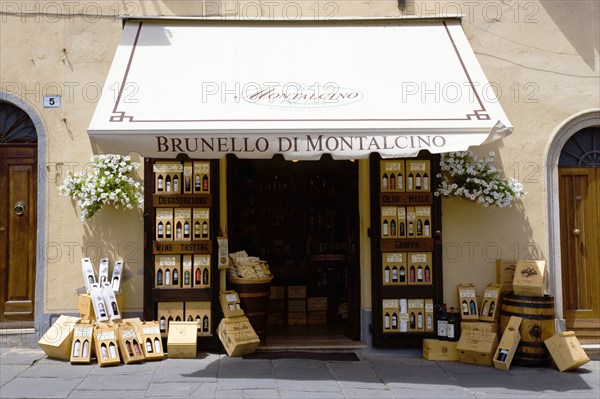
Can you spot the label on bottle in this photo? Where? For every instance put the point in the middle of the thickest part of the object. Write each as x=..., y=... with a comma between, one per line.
x=442, y=328
x=450, y=330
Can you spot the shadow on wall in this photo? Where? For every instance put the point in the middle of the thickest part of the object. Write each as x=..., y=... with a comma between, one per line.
x=475, y=236
x=578, y=21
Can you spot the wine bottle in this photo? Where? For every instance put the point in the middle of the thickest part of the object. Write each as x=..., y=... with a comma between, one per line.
x=204, y=229
x=178, y=231
x=386, y=274
x=205, y=276
x=420, y=274
x=197, y=229
x=409, y=183
x=157, y=345
x=168, y=230
x=186, y=229
x=159, y=183
x=205, y=323
x=451, y=330
x=426, y=228
x=175, y=277
x=492, y=307
x=419, y=228
x=198, y=277
x=197, y=185
x=392, y=182
x=411, y=275
x=418, y=181
x=149, y=345
x=384, y=182
x=205, y=183
x=442, y=323
x=168, y=183
x=394, y=321
x=385, y=228
x=427, y=274
x=425, y=182
x=386, y=321
x=393, y=228
x=394, y=274
x=400, y=183
x=465, y=308
x=175, y=184
x=402, y=274
x=159, y=277
x=167, y=277
x=473, y=308
x=161, y=230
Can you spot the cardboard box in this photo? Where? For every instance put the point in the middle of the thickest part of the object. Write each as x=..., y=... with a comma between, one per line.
x=201, y=271
x=89, y=276
x=182, y=339
x=389, y=215
x=183, y=222
x=86, y=308
x=530, y=278
x=188, y=176
x=164, y=224
x=417, y=175
x=566, y=351
x=317, y=317
x=201, y=177
x=201, y=221
x=297, y=318
x=276, y=305
x=391, y=315
x=98, y=303
x=129, y=343
x=416, y=314
x=110, y=299
x=136, y=323
x=508, y=344
x=423, y=223
x=394, y=268
x=167, y=177
x=106, y=346
x=297, y=305
x=81, y=350
x=277, y=292
x=411, y=220
x=467, y=299
x=165, y=267
x=200, y=313
x=103, y=271
x=488, y=328
x=296, y=291
x=56, y=341
x=186, y=271
x=275, y=318
x=237, y=336
x=435, y=349
x=490, y=303
x=223, y=252
x=477, y=345
x=429, y=315
x=116, y=277
x=505, y=273
x=153, y=348
x=420, y=268
x=401, y=219
x=317, y=303
x=169, y=312
x=230, y=304
x=392, y=175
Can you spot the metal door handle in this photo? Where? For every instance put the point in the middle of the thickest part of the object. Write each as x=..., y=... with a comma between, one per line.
x=576, y=232
x=19, y=208
x=2, y=229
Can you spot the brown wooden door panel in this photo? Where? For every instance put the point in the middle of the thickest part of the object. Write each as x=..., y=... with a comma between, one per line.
x=579, y=218
x=18, y=177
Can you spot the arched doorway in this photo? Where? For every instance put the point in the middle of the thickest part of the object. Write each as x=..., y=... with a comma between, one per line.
x=18, y=214
x=579, y=202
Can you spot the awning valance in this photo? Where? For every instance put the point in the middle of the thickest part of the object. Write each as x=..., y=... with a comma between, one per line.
x=301, y=90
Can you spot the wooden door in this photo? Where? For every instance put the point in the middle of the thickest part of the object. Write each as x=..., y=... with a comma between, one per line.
x=579, y=191
x=18, y=211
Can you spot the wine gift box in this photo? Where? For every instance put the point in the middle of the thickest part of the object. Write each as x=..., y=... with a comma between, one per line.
x=394, y=268
x=467, y=299
x=199, y=312
x=186, y=271
x=110, y=299
x=182, y=223
x=477, y=344
x=86, y=308
x=166, y=269
x=416, y=315
x=392, y=176
x=201, y=223
x=116, y=277
x=89, y=276
x=296, y=291
x=230, y=304
x=188, y=177
x=106, y=346
x=168, y=312
x=182, y=339
x=401, y=220
x=411, y=220
x=441, y=350
x=420, y=268
x=237, y=336
x=566, y=351
x=98, y=303
x=429, y=314
x=81, y=350
x=508, y=344
x=103, y=271
x=201, y=177
x=418, y=174
x=56, y=341
x=153, y=348
x=201, y=271
x=391, y=315
x=129, y=343
x=530, y=278
x=389, y=221
x=505, y=273
x=490, y=303
x=164, y=224
x=167, y=177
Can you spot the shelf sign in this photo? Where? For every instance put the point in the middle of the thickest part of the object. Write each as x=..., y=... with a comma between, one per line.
x=51, y=101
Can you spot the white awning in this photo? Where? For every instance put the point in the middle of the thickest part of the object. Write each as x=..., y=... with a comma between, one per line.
x=298, y=89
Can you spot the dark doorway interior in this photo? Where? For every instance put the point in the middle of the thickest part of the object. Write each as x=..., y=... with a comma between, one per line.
x=302, y=218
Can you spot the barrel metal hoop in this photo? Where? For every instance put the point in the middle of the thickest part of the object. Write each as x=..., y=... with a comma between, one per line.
x=545, y=305
x=528, y=316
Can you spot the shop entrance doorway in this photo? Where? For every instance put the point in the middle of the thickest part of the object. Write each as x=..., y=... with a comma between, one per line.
x=302, y=218
x=579, y=193
x=18, y=216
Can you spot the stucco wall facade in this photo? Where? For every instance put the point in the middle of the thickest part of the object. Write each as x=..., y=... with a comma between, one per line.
x=541, y=58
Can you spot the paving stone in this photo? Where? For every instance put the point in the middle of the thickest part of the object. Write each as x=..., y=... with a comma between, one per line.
x=39, y=387
x=148, y=368
x=121, y=381
x=502, y=384
x=58, y=371
x=368, y=393
x=431, y=393
x=108, y=393
x=309, y=385
x=249, y=393
x=206, y=390
x=246, y=383
x=417, y=378
x=311, y=395
x=8, y=372
x=466, y=368
x=21, y=357
x=174, y=389
x=186, y=372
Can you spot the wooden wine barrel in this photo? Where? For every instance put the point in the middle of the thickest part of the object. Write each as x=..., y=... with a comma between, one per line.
x=254, y=300
x=536, y=327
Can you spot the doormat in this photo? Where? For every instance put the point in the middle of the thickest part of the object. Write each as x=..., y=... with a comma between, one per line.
x=324, y=356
